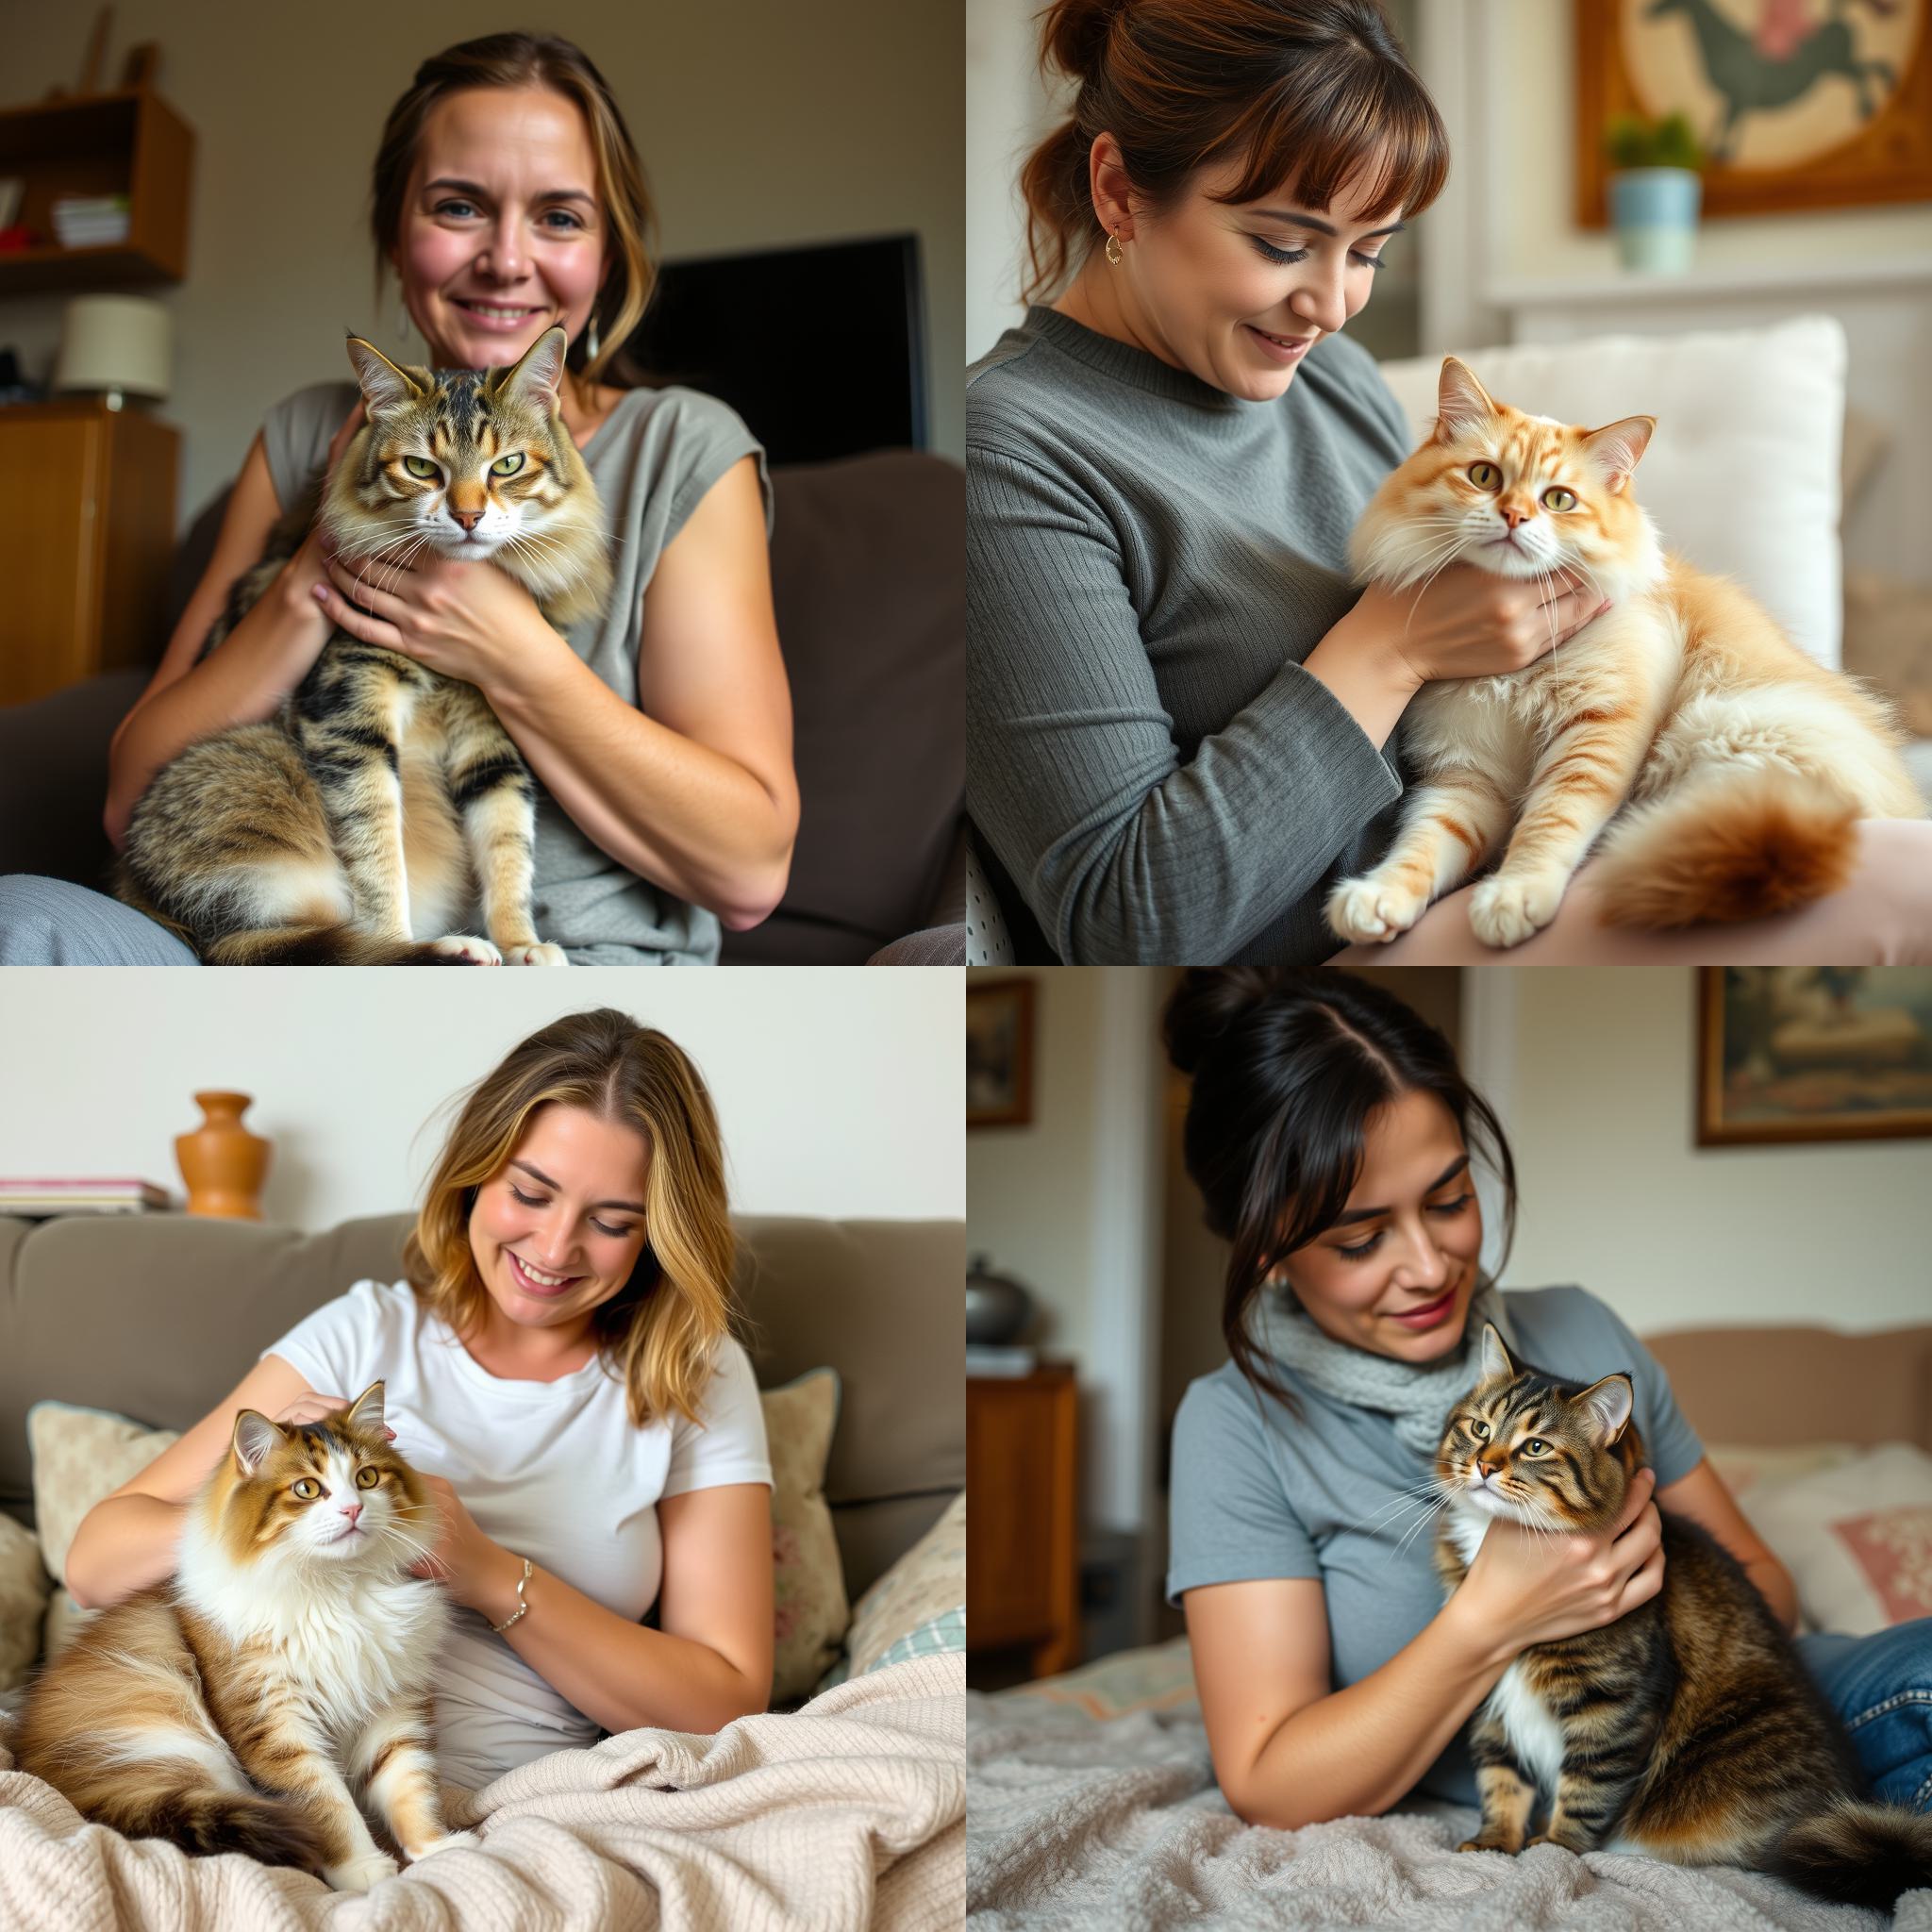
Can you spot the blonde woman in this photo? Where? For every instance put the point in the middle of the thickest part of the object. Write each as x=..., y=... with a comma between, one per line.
x=560, y=1367
x=507, y=199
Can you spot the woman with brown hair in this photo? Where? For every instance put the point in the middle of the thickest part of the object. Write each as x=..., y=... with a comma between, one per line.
x=1181, y=711
x=507, y=199
x=560, y=1368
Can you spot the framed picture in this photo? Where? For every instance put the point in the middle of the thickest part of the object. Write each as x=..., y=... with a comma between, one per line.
x=999, y=1051
x=1813, y=1053
x=1800, y=104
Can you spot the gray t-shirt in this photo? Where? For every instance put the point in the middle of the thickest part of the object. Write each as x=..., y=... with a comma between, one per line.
x=652, y=458
x=1149, y=559
x=1256, y=1493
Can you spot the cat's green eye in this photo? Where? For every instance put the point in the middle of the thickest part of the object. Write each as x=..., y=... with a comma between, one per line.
x=421, y=466
x=1480, y=1431
x=1485, y=476
x=307, y=1489
x=1559, y=499
x=367, y=1478
x=515, y=462
x=1536, y=1446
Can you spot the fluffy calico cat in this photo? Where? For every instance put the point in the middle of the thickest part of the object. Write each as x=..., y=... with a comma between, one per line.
x=384, y=800
x=233, y=1708
x=1688, y=1730
x=1739, y=764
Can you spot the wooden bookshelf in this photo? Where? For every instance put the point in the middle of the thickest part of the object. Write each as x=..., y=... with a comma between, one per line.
x=128, y=143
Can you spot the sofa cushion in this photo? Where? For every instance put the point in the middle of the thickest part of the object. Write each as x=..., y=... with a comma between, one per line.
x=79, y=1456
x=918, y=1594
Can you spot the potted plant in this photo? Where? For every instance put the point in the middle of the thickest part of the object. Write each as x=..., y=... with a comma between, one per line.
x=1655, y=191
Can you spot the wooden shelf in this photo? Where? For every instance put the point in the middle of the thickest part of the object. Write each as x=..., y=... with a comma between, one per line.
x=127, y=142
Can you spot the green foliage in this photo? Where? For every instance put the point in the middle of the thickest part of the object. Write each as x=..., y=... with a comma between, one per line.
x=1633, y=141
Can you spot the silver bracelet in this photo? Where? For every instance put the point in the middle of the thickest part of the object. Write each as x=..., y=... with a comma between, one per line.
x=523, y=1608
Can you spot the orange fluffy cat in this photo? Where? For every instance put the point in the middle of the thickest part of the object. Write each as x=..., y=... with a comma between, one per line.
x=1736, y=766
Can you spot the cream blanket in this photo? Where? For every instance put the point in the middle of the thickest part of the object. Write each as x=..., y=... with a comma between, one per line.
x=848, y=1813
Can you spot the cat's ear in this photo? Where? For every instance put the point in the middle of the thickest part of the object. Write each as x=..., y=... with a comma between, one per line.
x=1461, y=402
x=536, y=375
x=254, y=1435
x=365, y=1412
x=1498, y=1362
x=1606, y=1409
x=383, y=384
x=1616, y=448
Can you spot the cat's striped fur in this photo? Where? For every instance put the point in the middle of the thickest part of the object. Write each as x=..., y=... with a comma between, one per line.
x=248, y=1702
x=1689, y=1729
x=1729, y=767
x=384, y=803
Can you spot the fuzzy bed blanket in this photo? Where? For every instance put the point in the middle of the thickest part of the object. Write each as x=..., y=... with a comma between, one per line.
x=1088, y=1807
x=846, y=1813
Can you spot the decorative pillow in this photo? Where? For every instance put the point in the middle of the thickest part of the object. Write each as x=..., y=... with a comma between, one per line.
x=919, y=1591
x=1857, y=1538
x=809, y=1579
x=1743, y=1469
x=23, y=1603
x=81, y=1455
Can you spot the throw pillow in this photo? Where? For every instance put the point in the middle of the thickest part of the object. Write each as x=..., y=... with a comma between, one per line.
x=809, y=1578
x=79, y=1456
x=917, y=1593
x=23, y=1603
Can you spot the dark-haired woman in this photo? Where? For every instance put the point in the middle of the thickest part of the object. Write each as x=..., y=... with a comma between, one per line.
x=1180, y=710
x=1332, y=1136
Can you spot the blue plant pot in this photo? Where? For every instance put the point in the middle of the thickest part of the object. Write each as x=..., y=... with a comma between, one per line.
x=1656, y=213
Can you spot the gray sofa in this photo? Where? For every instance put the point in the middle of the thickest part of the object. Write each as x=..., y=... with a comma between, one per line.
x=869, y=577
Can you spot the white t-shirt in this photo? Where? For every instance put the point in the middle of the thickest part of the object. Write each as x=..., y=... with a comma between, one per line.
x=554, y=1471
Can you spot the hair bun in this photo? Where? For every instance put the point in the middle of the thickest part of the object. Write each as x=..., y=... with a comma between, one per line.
x=1074, y=36
x=1207, y=1003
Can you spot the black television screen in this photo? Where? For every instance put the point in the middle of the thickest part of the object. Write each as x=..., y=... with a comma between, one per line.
x=820, y=349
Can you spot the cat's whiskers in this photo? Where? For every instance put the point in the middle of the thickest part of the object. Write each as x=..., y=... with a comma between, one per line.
x=1403, y=1499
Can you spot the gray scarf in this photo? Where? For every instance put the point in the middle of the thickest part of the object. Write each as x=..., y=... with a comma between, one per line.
x=1418, y=1400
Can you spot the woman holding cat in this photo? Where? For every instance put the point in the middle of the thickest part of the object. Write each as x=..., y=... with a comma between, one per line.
x=559, y=1367
x=1180, y=712
x=509, y=200
x=1331, y=1133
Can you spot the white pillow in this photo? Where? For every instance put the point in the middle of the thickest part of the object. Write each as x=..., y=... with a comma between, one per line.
x=1856, y=1537
x=1743, y=473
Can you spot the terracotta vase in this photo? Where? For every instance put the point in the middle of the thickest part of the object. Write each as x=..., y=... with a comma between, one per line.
x=222, y=1163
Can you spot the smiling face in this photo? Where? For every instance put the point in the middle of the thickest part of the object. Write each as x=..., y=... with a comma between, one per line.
x=558, y=1230
x=502, y=212
x=1407, y=1242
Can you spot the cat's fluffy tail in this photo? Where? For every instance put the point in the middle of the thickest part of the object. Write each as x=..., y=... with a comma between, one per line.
x=324, y=945
x=1858, y=1853
x=269, y=1830
x=1741, y=845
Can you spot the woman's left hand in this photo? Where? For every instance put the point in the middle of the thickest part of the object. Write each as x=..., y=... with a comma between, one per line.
x=466, y=620
x=456, y=1557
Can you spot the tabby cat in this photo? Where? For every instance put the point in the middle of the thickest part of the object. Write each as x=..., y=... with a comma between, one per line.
x=232, y=1707
x=1689, y=1729
x=1740, y=765
x=384, y=800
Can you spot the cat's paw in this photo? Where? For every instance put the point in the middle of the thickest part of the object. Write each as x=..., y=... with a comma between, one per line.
x=1542, y=1837
x=471, y=950
x=1486, y=1844
x=1510, y=908
x=1373, y=909
x=361, y=1875
x=449, y=1842
x=538, y=953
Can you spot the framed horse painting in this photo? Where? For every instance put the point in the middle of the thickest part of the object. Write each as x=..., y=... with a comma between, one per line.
x=1800, y=104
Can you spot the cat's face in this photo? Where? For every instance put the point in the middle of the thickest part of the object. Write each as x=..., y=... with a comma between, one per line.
x=324, y=1493
x=1505, y=491
x=1526, y=1447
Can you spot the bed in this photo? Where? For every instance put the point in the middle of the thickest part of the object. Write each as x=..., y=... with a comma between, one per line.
x=1092, y=1799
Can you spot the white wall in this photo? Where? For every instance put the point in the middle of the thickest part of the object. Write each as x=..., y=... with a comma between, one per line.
x=1593, y=1070
x=840, y=1091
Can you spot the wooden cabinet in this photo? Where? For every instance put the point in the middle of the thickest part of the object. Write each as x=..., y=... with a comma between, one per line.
x=1022, y=1564
x=87, y=536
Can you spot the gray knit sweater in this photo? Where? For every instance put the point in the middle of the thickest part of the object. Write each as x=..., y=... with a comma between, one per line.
x=1148, y=561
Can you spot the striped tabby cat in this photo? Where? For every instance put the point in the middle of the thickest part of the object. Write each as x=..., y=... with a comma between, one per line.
x=384, y=801
x=1689, y=1729
x=233, y=1708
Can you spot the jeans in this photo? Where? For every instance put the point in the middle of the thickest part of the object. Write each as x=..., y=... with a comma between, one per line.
x=1881, y=1687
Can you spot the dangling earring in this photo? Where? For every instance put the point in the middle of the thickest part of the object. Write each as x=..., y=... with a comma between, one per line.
x=1113, y=247
x=590, y=338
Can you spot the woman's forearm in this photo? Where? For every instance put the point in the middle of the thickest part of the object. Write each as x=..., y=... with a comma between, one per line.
x=260, y=661
x=1775, y=1585
x=123, y=1545
x=670, y=809
x=1366, y=673
x=1357, y=1751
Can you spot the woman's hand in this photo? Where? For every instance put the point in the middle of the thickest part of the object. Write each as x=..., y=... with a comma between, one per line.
x=456, y=1557
x=314, y=1408
x=1527, y=1586
x=1470, y=623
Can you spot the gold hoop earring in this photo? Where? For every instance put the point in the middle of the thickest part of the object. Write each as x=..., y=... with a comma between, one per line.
x=1113, y=247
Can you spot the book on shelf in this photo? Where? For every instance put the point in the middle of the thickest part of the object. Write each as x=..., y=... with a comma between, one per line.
x=982, y=1359
x=31, y=1199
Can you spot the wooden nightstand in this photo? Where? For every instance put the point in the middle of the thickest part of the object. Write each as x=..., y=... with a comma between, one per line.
x=1023, y=1566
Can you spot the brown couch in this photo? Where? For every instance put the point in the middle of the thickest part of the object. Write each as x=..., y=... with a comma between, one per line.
x=158, y=1317
x=869, y=577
